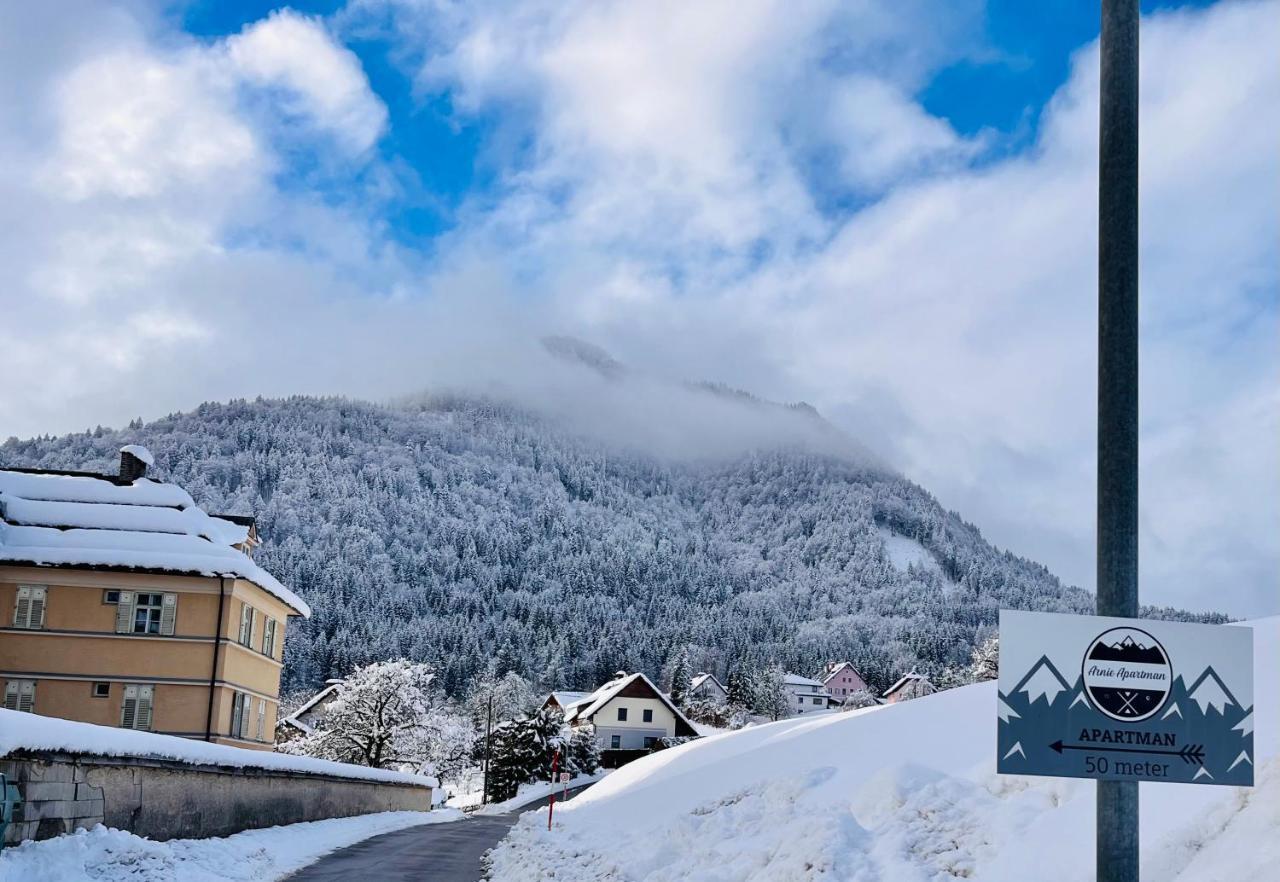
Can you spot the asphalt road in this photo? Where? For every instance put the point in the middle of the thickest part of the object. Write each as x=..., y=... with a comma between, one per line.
x=450, y=852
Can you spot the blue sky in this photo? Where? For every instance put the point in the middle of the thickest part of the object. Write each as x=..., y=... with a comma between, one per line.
x=884, y=209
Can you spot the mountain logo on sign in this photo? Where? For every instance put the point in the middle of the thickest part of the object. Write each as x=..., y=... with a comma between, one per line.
x=1127, y=674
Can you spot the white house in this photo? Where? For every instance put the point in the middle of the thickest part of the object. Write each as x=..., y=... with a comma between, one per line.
x=910, y=686
x=628, y=713
x=804, y=694
x=841, y=679
x=708, y=688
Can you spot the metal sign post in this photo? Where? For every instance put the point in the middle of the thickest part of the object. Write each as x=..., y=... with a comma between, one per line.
x=1117, y=575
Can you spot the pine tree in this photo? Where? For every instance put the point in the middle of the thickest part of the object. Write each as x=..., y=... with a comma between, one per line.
x=680, y=679
x=738, y=687
x=769, y=697
x=583, y=751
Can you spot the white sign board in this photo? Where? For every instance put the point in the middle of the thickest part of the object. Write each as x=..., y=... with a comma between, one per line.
x=1125, y=699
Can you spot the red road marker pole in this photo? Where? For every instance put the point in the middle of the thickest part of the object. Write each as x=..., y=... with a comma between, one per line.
x=551, y=806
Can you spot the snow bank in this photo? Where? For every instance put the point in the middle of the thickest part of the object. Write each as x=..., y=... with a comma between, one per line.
x=905, y=792
x=21, y=731
x=105, y=855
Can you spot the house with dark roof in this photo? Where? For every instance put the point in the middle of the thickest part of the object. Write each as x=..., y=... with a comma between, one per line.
x=125, y=604
x=909, y=686
x=708, y=688
x=629, y=716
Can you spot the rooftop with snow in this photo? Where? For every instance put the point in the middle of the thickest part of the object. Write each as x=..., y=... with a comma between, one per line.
x=127, y=522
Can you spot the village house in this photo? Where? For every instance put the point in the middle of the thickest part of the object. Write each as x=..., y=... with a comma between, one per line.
x=841, y=679
x=132, y=607
x=302, y=722
x=630, y=716
x=563, y=700
x=707, y=688
x=804, y=694
x=909, y=686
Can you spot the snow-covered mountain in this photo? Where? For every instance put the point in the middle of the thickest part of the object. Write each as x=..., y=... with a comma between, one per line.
x=455, y=529
x=905, y=792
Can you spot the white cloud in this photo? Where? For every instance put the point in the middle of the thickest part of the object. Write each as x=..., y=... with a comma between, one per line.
x=323, y=81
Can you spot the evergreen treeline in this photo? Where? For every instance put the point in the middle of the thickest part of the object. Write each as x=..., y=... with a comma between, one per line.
x=460, y=532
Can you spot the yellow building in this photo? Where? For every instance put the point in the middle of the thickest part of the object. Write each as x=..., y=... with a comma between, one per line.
x=124, y=604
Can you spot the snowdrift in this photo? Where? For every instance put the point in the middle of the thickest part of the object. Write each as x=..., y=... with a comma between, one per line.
x=906, y=792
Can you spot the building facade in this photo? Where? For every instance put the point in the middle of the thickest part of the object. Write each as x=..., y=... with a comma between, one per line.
x=804, y=694
x=841, y=679
x=126, y=605
x=629, y=714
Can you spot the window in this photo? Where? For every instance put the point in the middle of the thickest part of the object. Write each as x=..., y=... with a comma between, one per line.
x=111, y=596
x=145, y=612
x=20, y=695
x=241, y=713
x=817, y=701
x=246, y=625
x=269, y=637
x=101, y=690
x=615, y=742
x=648, y=715
x=135, y=710
x=622, y=715
x=28, y=612
x=649, y=742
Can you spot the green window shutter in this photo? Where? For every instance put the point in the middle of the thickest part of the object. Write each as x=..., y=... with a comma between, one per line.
x=22, y=609
x=129, y=708
x=124, y=613
x=237, y=701
x=246, y=710
x=146, y=695
x=35, y=618
x=262, y=718
x=27, y=696
x=168, y=613
x=269, y=637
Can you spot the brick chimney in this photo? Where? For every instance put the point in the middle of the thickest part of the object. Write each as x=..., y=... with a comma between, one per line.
x=134, y=459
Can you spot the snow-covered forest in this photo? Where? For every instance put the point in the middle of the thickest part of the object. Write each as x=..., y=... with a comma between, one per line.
x=472, y=535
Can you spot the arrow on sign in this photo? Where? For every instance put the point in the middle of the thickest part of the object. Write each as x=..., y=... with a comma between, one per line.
x=1192, y=753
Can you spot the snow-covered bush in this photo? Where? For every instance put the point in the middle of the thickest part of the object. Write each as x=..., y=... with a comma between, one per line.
x=859, y=699
x=582, y=750
x=985, y=663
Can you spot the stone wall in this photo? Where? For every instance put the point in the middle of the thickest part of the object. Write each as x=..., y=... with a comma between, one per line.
x=164, y=799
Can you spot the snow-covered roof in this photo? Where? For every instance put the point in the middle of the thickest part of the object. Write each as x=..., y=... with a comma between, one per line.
x=837, y=668
x=52, y=518
x=797, y=680
x=699, y=679
x=565, y=699
x=587, y=707
x=26, y=731
x=903, y=681
x=294, y=719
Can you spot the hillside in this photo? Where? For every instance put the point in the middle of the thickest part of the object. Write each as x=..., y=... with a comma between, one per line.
x=455, y=530
x=906, y=792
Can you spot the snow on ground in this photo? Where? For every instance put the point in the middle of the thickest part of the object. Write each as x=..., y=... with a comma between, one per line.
x=530, y=793
x=106, y=855
x=904, y=793
x=24, y=731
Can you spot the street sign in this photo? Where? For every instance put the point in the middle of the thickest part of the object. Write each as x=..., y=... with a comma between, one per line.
x=1125, y=699
x=564, y=778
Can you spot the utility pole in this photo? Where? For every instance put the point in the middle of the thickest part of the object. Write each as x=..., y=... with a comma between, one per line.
x=488, y=750
x=1117, y=576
